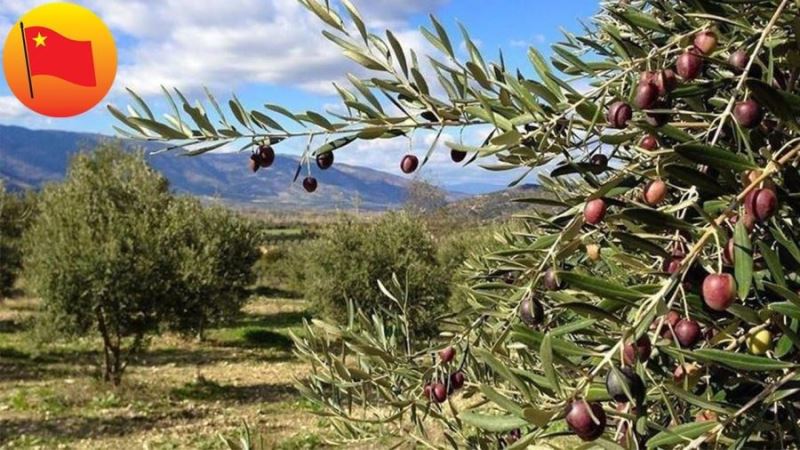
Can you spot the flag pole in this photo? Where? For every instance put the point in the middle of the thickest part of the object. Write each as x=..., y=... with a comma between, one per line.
x=27, y=63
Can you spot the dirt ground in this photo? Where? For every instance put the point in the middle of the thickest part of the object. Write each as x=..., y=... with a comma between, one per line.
x=178, y=394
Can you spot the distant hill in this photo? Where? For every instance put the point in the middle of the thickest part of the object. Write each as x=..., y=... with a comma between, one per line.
x=31, y=158
x=494, y=206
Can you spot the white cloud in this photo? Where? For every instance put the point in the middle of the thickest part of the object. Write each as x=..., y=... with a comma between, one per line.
x=227, y=43
x=537, y=40
x=11, y=108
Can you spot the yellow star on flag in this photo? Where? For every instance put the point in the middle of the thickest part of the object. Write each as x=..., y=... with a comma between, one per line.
x=39, y=39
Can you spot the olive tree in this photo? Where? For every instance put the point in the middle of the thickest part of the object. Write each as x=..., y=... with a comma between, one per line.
x=215, y=254
x=653, y=303
x=97, y=256
x=16, y=211
x=112, y=251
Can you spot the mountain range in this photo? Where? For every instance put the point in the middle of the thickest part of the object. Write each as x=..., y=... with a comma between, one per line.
x=32, y=158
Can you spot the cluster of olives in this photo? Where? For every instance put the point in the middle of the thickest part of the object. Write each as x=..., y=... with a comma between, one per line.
x=587, y=419
x=439, y=390
x=264, y=157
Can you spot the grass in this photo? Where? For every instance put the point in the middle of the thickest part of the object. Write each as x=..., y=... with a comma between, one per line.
x=178, y=394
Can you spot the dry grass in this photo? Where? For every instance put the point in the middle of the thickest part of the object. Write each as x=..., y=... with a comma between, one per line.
x=178, y=394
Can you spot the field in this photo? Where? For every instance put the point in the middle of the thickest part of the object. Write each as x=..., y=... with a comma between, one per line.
x=180, y=393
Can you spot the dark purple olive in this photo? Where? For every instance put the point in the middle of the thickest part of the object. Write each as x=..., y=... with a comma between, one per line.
x=447, y=354
x=646, y=95
x=439, y=393
x=666, y=81
x=531, y=312
x=310, y=184
x=619, y=114
x=599, y=160
x=595, y=211
x=705, y=42
x=267, y=155
x=409, y=164
x=255, y=162
x=687, y=332
x=457, y=155
x=689, y=65
x=739, y=60
x=617, y=382
x=641, y=350
x=457, y=381
x=551, y=281
x=761, y=204
x=748, y=113
x=649, y=142
x=586, y=420
x=325, y=160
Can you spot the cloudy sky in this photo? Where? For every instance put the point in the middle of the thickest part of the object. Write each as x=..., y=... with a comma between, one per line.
x=271, y=51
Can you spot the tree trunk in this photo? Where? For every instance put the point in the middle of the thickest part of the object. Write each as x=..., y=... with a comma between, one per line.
x=112, y=355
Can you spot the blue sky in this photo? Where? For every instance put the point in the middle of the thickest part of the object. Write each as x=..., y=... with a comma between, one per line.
x=271, y=51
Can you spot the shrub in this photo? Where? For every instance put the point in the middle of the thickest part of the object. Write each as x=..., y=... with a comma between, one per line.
x=16, y=212
x=350, y=258
x=214, y=252
x=96, y=253
x=667, y=134
x=112, y=251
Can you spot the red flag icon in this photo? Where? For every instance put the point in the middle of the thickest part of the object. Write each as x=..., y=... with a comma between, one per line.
x=50, y=53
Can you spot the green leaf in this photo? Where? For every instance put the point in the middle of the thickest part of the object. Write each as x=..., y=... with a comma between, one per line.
x=356, y=17
x=240, y=113
x=636, y=243
x=739, y=361
x=335, y=144
x=364, y=60
x=619, y=138
x=266, y=120
x=443, y=38
x=479, y=75
x=785, y=308
x=773, y=261
x=546, y=353
x=284, y=112
x=680, y=434
x=163, y=130
x=501, y=370
x=501, y=400
x=691, y=177
x=587, y=309
x=399, y=53
x=696, y=400
x=492, y=423
x=141, y=104
x=570, y=57
x=534, y=338
x=783, y=292
x=743, y=259
x=602, y=287
x=643, y=20
x=784, y=105
x=319, y=120
x=200, y=118
x=714, y=156
x=119, y=115
x=655, y=219
x=538, y=417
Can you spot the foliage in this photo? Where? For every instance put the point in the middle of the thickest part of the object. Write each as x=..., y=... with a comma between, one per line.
x=214, y=253
x=350, y=258
x=16, y=212
x=724, y=142
x=113, y=252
